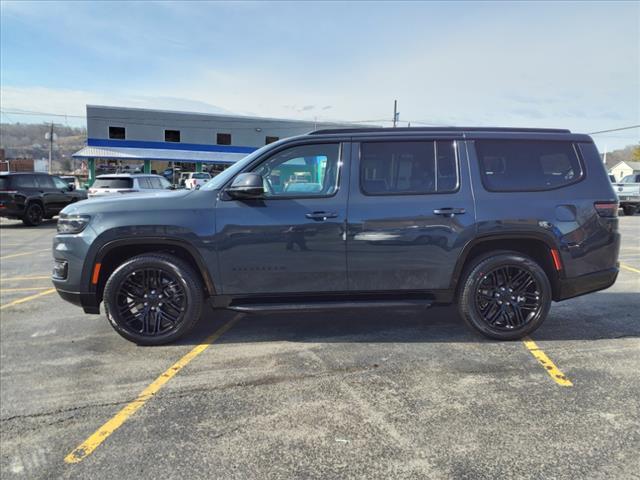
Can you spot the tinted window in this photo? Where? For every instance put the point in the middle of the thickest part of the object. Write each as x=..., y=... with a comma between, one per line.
x=172, y=135
x=269, y=140
x=4, y=183
x=201, y=176
x=519, y=165
x=223, y=139
x=388, y=168
x=24, y=181
x=302, y=171
x=117, y=133
x=45, y=181
x=159, y=182
x=113, y=182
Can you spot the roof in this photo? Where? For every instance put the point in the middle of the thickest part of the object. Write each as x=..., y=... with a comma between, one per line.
x=123, y=153
x=440, y=129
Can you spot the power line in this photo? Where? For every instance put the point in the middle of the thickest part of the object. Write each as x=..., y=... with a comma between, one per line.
x=615, y=129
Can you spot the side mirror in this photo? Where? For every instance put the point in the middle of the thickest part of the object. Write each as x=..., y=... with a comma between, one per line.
x=246, y=185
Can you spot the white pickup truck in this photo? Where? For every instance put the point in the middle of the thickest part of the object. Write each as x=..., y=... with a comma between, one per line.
x=628, y=191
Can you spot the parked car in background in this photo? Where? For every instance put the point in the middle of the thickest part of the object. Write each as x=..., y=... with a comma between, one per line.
x=32, y=197
x=500, y=222
x=128, y=183
x=628, y=191
x=194, y=180
x=172, y=174
x=73, y=181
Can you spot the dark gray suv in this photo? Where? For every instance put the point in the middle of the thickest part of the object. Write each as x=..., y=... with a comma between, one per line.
x=500, y=221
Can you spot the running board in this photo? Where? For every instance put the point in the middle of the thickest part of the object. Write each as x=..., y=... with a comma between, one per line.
x=329, y=305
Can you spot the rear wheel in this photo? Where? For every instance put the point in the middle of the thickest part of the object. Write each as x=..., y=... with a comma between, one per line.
x=505, y=295
x=629, y=209
x=33, y=215
x=153, y=299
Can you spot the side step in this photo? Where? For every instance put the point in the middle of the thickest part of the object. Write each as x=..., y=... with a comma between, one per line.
x=328, y=305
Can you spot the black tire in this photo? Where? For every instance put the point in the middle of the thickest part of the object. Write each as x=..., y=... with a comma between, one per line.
x=174, y=307
x=629, y=210
x=33, y=215
x=505, y=295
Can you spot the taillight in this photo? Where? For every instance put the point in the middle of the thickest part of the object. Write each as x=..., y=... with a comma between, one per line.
x=606, y=209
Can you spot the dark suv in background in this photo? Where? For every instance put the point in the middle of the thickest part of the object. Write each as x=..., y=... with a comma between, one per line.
x=500, y=221
x=32, y=197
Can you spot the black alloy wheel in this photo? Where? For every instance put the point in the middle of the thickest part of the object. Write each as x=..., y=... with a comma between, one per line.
x=507, y=297
x=153, y=299
x=504, y=295
x=33, y=215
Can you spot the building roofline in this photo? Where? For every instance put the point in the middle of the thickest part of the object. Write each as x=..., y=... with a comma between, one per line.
x=311, y=123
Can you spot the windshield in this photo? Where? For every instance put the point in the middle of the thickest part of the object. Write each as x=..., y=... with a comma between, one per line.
x=219, y=180
x=629, y=179
x=201, y=176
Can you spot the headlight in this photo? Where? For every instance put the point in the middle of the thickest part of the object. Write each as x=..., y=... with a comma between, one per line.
x=72, y=223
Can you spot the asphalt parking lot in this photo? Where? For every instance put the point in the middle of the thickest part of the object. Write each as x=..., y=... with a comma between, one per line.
x=380, y=394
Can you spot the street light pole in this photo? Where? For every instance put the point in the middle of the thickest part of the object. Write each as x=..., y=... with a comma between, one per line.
x=50, y=146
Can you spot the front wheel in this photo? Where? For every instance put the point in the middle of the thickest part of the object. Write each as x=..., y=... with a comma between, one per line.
x=153, y=299
x=505, y=296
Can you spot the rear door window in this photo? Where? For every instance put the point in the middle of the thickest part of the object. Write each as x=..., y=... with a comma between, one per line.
x=524, y=165
x=408, y=168
x=113, y=182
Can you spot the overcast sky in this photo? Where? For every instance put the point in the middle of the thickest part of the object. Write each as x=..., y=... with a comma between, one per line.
x=572, y=65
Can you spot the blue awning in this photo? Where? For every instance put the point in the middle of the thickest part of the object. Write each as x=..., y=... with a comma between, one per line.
x=123, y=153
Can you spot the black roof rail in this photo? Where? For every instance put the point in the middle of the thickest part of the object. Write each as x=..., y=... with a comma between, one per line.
x=334, y=131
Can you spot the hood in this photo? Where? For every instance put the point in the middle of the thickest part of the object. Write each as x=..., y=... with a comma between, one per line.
x=128, y=202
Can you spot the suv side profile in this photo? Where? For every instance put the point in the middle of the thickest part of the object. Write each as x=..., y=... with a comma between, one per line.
x=32, y=197
x=500, y=221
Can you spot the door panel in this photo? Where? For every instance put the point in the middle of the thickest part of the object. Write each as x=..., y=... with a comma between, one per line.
x=54, y=199
x=292, y=240
x=408, y=231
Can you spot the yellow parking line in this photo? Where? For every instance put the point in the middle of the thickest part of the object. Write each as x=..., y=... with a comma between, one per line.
x=26, y=299
x=25, y=289
x=35, y=277
x=550, y=367
x=23, y=253
x=631, y=269
x=100, y=435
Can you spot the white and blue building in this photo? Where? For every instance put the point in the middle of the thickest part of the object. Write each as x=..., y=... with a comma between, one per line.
x=157, y=137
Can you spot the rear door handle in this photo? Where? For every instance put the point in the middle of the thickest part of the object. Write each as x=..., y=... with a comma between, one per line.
x=449, y=212
x=321, y=216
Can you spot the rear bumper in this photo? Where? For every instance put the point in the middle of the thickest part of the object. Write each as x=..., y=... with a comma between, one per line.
x=87, y=301
x=591, y=282
x=11, y=212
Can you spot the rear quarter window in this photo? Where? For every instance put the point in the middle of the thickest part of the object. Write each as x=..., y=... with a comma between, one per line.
x=113, y=183
x=24, y=181
x=521, y=165
x=4, y=183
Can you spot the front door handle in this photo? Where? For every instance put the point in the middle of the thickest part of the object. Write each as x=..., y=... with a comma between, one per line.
x=449, y=212
x=321, y=216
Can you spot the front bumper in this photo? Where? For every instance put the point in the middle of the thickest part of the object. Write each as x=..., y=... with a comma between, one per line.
x=87, y=301
x=591, y=282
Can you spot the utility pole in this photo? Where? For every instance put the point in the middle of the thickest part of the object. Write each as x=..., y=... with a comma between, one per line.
x=50, y=146
x=395, y=113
